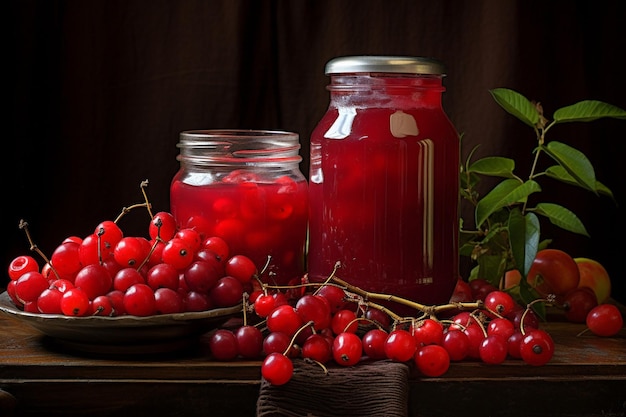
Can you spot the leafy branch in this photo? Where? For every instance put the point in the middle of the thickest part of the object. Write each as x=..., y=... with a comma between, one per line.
x=507, y=226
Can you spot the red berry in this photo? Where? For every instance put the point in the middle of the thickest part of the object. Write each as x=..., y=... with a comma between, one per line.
x=277, y=369
x=432, y=360
x=196, y=301
x=500, y=326
x=428, y=332
x=456, y=343
x=605, y=320
x=537, y=347
x=49, y=301
x=374, y=344
x=217, y=245
x=334, y=295
x=29, y=286
x=168, y=301
x=130, y=251
x=263, y=305
x=94, y=280
x=139, y=300
x=227, y=292
x=110, y=233
x=493, y=349
x=200, y=276
x=577, y=304
x=102, y=306
x=126, y=278
x=285, y=319
x=347, y=349
x=249, y=342
x=191, y=237
x=177, y=253
x=65, y=259
x=223, y=345
x=241, y=267
x=21, y=265
x=75, y=302
x=316, y=347
x=163, y=225
x=314, y=308
x=344, y=321
x=500, y=302
x=400, y=345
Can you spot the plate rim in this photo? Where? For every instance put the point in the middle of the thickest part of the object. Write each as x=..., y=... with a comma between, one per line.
x=8, y=307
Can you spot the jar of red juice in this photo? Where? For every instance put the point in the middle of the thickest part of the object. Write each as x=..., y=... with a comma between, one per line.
x=246, y=187
x=384, y=180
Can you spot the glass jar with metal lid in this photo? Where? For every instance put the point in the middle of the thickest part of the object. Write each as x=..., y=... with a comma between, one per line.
x=384, y=179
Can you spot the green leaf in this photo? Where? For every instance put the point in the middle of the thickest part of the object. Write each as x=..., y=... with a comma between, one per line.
x=561, y=217
x=517, y=105
x=587, y=111
x=528, y=294
x=495, y=166
x=506, y=193
x=523, y=238
x=559, y=173
x=574, y=162
x=491, y=268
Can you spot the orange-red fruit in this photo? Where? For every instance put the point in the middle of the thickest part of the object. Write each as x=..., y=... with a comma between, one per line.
x=553, y=272
x=594, y=276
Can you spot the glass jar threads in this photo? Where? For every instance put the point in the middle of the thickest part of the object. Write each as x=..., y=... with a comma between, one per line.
x=246, y=187
x=384, y=180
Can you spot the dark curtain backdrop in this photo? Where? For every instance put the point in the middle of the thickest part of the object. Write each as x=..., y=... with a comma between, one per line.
x=100, y=91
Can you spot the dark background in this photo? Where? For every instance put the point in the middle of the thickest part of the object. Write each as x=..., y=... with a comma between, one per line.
x=100, y=91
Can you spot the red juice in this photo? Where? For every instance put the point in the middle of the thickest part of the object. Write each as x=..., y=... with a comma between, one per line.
x=384, y=189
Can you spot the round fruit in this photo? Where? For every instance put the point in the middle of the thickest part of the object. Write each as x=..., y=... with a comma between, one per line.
x=400, y=345
x=249, y=341
x=374, y=343
x=139, y=300
x=21, y=265
x=605, y=320
x=536, y=348
x=75, y=303
x=223, y=345
x=553, y=272
x=432, y=360
x=29, y=286
x=94, y=279
x=594, y=276
x=577, y=304
x=316, y=347
x=314, y=308
x=277, y=369
x=347, y=349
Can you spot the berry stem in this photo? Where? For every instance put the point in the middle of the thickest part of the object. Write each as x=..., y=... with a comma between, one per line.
x=143, y=185
x=24, y=226
x=430, y=310
x=293, y=338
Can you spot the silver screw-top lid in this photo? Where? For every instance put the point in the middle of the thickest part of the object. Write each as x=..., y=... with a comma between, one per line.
x=390, y=64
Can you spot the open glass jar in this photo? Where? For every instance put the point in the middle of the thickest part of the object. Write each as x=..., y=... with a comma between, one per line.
x=246, y=187
x=384, y=180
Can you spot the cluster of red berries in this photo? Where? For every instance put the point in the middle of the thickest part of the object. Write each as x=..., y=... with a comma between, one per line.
x=332, y=325
x=109, y=274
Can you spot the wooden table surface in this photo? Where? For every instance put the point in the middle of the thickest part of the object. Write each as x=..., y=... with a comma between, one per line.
x=586, y=377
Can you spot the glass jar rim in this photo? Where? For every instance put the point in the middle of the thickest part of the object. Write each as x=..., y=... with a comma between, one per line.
x=238, y=134
x=239, y=146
